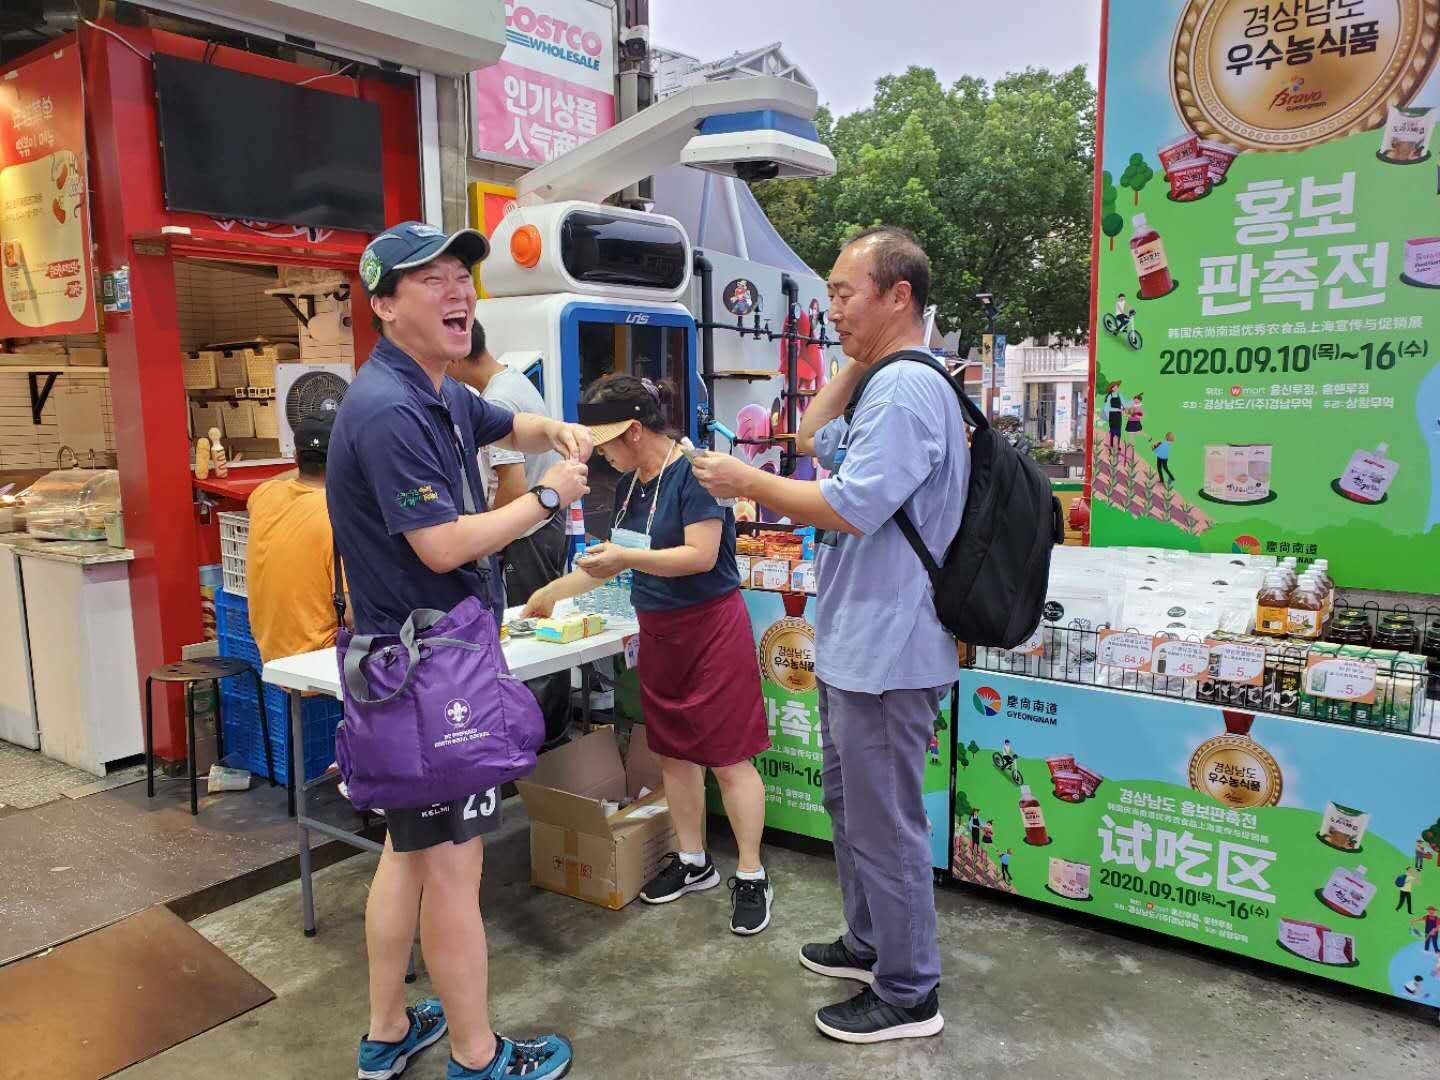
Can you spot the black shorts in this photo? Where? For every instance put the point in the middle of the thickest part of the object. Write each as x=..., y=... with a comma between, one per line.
x=455, y=822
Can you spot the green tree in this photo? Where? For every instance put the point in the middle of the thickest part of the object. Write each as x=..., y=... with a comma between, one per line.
x=995, y=181
x=1136, y=175
x=974, y=748
x=1111, y=223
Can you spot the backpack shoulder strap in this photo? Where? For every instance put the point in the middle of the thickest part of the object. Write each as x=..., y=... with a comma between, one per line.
x=973, y=416
x=967, y=407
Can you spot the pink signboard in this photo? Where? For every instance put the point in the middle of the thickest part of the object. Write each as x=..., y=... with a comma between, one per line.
x=554, y=87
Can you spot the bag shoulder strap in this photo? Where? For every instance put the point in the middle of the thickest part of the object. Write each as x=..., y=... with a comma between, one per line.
x=971, y=413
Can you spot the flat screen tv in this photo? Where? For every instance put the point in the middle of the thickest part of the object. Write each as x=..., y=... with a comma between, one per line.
x=240, y=146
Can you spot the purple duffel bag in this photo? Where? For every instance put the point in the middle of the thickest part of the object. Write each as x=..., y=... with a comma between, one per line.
x=432, y=714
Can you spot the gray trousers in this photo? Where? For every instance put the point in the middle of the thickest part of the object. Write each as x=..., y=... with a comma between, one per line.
x=873, y=778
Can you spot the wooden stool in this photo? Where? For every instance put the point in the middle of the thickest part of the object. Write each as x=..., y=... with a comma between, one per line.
x=188, y=673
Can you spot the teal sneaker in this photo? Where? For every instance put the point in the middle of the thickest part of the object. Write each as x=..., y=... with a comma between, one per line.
x=545, y=1057
x=383, y=1060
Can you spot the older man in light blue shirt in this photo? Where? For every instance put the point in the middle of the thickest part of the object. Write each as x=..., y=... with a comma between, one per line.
x=882, y=659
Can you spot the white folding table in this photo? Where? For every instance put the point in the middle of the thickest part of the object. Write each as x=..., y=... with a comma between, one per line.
x=318, y=673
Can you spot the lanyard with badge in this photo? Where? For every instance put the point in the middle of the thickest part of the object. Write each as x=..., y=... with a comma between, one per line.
x=629, y=538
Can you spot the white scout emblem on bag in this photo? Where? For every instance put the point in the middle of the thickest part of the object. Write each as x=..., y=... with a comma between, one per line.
x=457, y=713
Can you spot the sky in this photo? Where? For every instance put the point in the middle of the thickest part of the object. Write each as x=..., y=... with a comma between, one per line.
x=845, y=45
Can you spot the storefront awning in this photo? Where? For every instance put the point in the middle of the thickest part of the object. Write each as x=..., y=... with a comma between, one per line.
x=447, y=37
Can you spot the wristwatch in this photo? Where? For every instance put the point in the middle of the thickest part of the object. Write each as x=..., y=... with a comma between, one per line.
x=548, y=496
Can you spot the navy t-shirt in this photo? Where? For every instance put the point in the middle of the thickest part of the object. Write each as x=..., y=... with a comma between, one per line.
x=394, y=466
x=682, y=502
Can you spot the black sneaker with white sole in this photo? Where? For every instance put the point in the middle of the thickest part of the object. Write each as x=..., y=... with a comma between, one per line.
x=865, y=1018
x=834, y=959
x=750, y=902
x=677, y=877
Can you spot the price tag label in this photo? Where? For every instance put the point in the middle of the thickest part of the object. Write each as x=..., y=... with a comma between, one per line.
x=1125, y=649
x=1032, y=646
x=632, y=651
x=1342, y=680
x=742, y=564
x=1179, y=659
x=802, y=578
x=1234, y=662
x=773, y=574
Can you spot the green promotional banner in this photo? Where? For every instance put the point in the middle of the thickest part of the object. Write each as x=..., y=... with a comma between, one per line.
x=785, y=641
x=1303, y=844
x=1268, y=347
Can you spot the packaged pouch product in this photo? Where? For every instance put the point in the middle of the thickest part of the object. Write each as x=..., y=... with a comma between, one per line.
x=1407, y=136
x=1343, y=827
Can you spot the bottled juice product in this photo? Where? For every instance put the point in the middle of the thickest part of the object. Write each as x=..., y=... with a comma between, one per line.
x=1307, y=608
x=1033, y=818
x=1321, y=570
x=1148, y=251
x=1272, y=606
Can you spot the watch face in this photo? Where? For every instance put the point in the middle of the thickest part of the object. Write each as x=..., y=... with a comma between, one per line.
x=549, y=498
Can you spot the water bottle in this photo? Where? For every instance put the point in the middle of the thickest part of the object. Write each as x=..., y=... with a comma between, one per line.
x=574, y=533
x=612, y=599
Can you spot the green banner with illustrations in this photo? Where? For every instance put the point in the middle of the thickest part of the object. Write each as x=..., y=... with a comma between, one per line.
x=1268, y=338
x=1308, y=845
x=785, y=640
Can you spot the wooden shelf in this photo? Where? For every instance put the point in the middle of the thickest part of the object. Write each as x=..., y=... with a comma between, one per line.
x=747, y=374
x=47, y=369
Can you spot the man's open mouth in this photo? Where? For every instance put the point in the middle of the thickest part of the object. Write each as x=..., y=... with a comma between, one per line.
x=458, y=323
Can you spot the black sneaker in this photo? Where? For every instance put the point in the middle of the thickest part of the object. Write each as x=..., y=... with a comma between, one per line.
x=835, y=960
x=867, y=1019
x=750, y=905
x=676, y=878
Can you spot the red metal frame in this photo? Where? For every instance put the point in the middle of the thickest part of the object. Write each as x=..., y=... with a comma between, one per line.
x=150, y=406
x=1095, y=256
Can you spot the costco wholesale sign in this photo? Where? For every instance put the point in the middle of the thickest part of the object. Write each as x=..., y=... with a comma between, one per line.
x=45, y=263
x=554, y=87
x=1268, y=347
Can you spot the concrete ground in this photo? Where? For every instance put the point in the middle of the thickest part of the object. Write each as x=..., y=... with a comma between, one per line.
x=669, y=993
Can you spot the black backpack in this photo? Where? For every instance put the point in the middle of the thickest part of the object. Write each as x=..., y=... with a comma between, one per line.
x=990, y=589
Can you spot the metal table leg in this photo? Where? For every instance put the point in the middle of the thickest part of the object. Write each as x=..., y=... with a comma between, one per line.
x=297, y=772
x=585, y=674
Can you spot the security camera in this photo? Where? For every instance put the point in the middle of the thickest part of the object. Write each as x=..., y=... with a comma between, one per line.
x=759, y=154
x=635, y=42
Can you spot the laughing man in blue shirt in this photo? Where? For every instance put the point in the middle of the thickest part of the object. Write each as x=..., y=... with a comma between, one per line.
x=402, y=453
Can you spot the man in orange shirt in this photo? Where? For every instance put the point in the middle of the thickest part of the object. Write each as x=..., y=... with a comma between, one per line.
x=291, y=572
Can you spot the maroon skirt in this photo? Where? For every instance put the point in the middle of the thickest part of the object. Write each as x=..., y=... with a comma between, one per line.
x=700, y=683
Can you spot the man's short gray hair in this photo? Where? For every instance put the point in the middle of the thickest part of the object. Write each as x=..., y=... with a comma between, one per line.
x=897, y=257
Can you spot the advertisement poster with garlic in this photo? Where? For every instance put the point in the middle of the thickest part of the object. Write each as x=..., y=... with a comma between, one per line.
x=1262, y=835
x=1267, y=344
x=45, y=258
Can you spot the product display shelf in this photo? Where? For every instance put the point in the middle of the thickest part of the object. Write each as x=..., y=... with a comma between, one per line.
x=1407, y=689
x=243, y=744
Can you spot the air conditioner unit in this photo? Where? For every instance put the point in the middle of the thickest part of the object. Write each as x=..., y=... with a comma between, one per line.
x=305, y=391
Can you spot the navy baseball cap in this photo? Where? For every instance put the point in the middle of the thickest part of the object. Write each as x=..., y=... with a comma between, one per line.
x=313, y=433
x=413, y=243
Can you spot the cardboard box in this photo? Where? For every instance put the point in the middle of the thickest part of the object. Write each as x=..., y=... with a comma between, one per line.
x=230, y=371
x=575, y=849
x=200, y=369
x=84, y=356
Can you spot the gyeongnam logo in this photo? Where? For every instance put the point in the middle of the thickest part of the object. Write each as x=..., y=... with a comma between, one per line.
x=987, y=701
x=457, y=713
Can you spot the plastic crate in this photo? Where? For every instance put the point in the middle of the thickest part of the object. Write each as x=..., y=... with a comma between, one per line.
x=243, y=743
x=234, y=544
